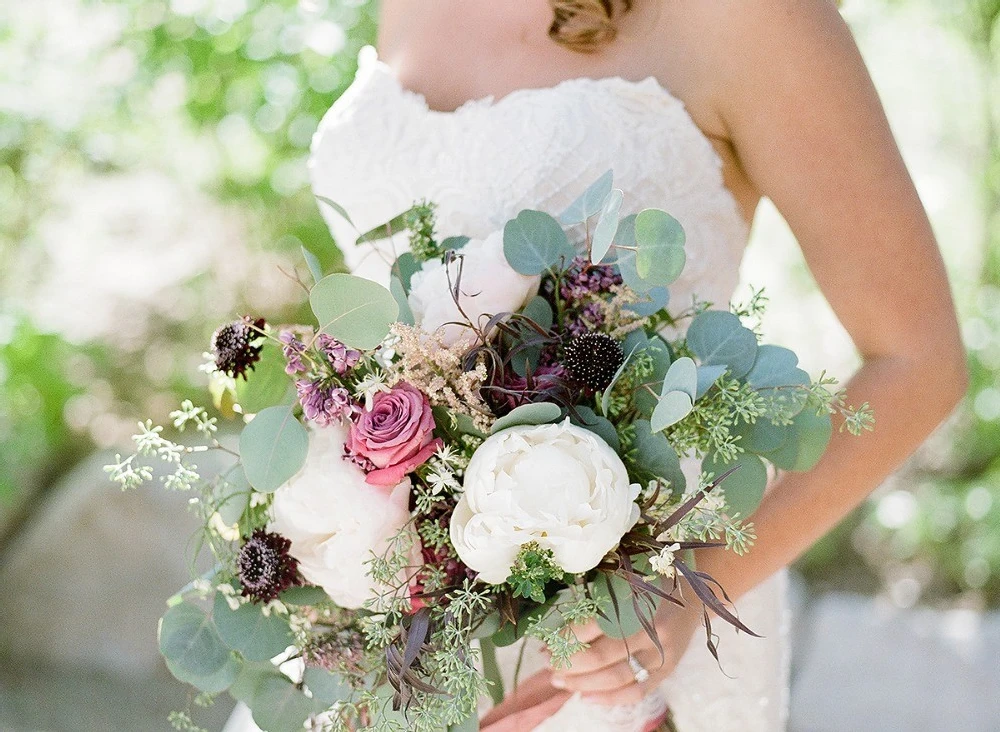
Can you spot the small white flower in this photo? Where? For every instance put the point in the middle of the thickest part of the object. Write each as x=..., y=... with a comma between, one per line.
x=371, y=385
x=663, y=563
x=224, y=530
x=489, y=285
x=557, y=484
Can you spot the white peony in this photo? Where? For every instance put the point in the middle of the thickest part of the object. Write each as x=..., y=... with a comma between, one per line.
x=335, y=520
x=489, y=285
x=556, y=484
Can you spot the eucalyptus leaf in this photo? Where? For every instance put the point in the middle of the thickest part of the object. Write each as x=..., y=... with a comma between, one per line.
x=405, y=266
x=589, y=202
x=327, y=688
x=399, y=294
x=539, y=311
x=528, y=414
x=312, y=262
x=763, y=436
x=744, y=488
x=249, y=678
x=231, y=494
x=256, y=636
x=454, y=243
x=304, y=595
x=212, y=684
x=657, y=349
x=267, y=384
x=471, y=724
x=809, y=435
x=671, y=408
x=273, y=448
x=189, y=640
x=278, y=705
x=625, y=248
x=681, y=376
x=355, y=311
x=600, y=426
x=336, y=207
x=707, y=376
x=651, y=302
x=607, y=226
x=775, y=374
x=656, y=457
x=630, y=349
x=534, y=243
x=659, y=240
x=718, y=338
x=511, y=633
x=383, y=231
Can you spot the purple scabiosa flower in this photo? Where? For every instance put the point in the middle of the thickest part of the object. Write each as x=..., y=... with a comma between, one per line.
x=325, y=404
x=593, y=359
x=342, y=358
x=583, y=279
x=292, y=349
x=265, y=566
x=235, y=346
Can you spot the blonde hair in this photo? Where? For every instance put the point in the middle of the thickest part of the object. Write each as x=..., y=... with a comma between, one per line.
x=586, y=26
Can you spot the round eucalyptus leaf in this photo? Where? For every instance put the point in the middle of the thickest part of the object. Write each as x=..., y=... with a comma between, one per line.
x=279, y=706
x=510, y=633
x=534, y=243
x=671, y=408
x=718, y=338
x=600, y=426
x=651, y=302
x=267, y=384
x=660, y=354
x=528, y=414
x=249, y=678
x=775, y=366
x=656, y=457
x=707, y=376
x=304, y=595
x=256, y=636
x=743, y=488
x=681, y=376
x=589, y=202
x=809, y=434
x=625, y=260
x=405, y=266
x=273, y=448
x=313, y=263
x=231, y=494
x=763, y=436
x=399, y=295
x=355, y=311
x=539, y=311
x=454, y=243
x=659, y=240
x=190, y=642
x=607, y=226
x=212, y=684
x=327, y=688
x=489, y=625
x=470, y=724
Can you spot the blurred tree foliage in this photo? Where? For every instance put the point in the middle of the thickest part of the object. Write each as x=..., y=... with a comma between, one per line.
x=226, y=94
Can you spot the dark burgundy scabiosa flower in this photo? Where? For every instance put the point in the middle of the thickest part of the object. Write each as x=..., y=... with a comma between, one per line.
x=593, y=359
x=342, y=358
x=265, y=566
x=325, y=403
x=233, y=345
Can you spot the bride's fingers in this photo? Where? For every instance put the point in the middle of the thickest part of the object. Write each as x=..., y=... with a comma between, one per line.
x=609, y=678
x=588, y=632
x=534, y=690
x=602, y=653
x=632, y=694
x=530, y=718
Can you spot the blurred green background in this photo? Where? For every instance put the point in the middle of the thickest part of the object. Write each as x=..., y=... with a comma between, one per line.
x=153, y=184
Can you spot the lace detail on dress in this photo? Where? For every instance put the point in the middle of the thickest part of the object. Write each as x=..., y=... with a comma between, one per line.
x=380, y=148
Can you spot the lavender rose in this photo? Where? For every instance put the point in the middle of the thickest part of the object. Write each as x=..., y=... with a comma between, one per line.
x=395, y=435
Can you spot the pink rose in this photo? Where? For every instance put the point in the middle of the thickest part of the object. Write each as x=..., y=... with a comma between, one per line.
x=395, y=435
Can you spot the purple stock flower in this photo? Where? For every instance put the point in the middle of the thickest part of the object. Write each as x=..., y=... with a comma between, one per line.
x=583, y=279
x=325, y=404
x=292, y=349
x=342, y=358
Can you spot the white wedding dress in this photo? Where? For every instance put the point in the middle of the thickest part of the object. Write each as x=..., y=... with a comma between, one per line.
x=380, y=148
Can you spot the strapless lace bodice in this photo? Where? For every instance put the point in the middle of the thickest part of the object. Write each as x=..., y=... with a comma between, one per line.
x=380, y=148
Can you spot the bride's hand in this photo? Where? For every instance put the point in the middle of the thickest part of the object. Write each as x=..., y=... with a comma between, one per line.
x=602, y=672
x=534, y=701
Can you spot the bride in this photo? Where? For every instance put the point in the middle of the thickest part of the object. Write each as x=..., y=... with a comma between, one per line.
x=700, y=107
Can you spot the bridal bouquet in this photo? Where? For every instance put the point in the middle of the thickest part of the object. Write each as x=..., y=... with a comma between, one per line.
x=514, y=438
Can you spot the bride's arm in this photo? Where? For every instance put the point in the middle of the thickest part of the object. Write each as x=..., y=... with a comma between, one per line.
x=808, y=129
